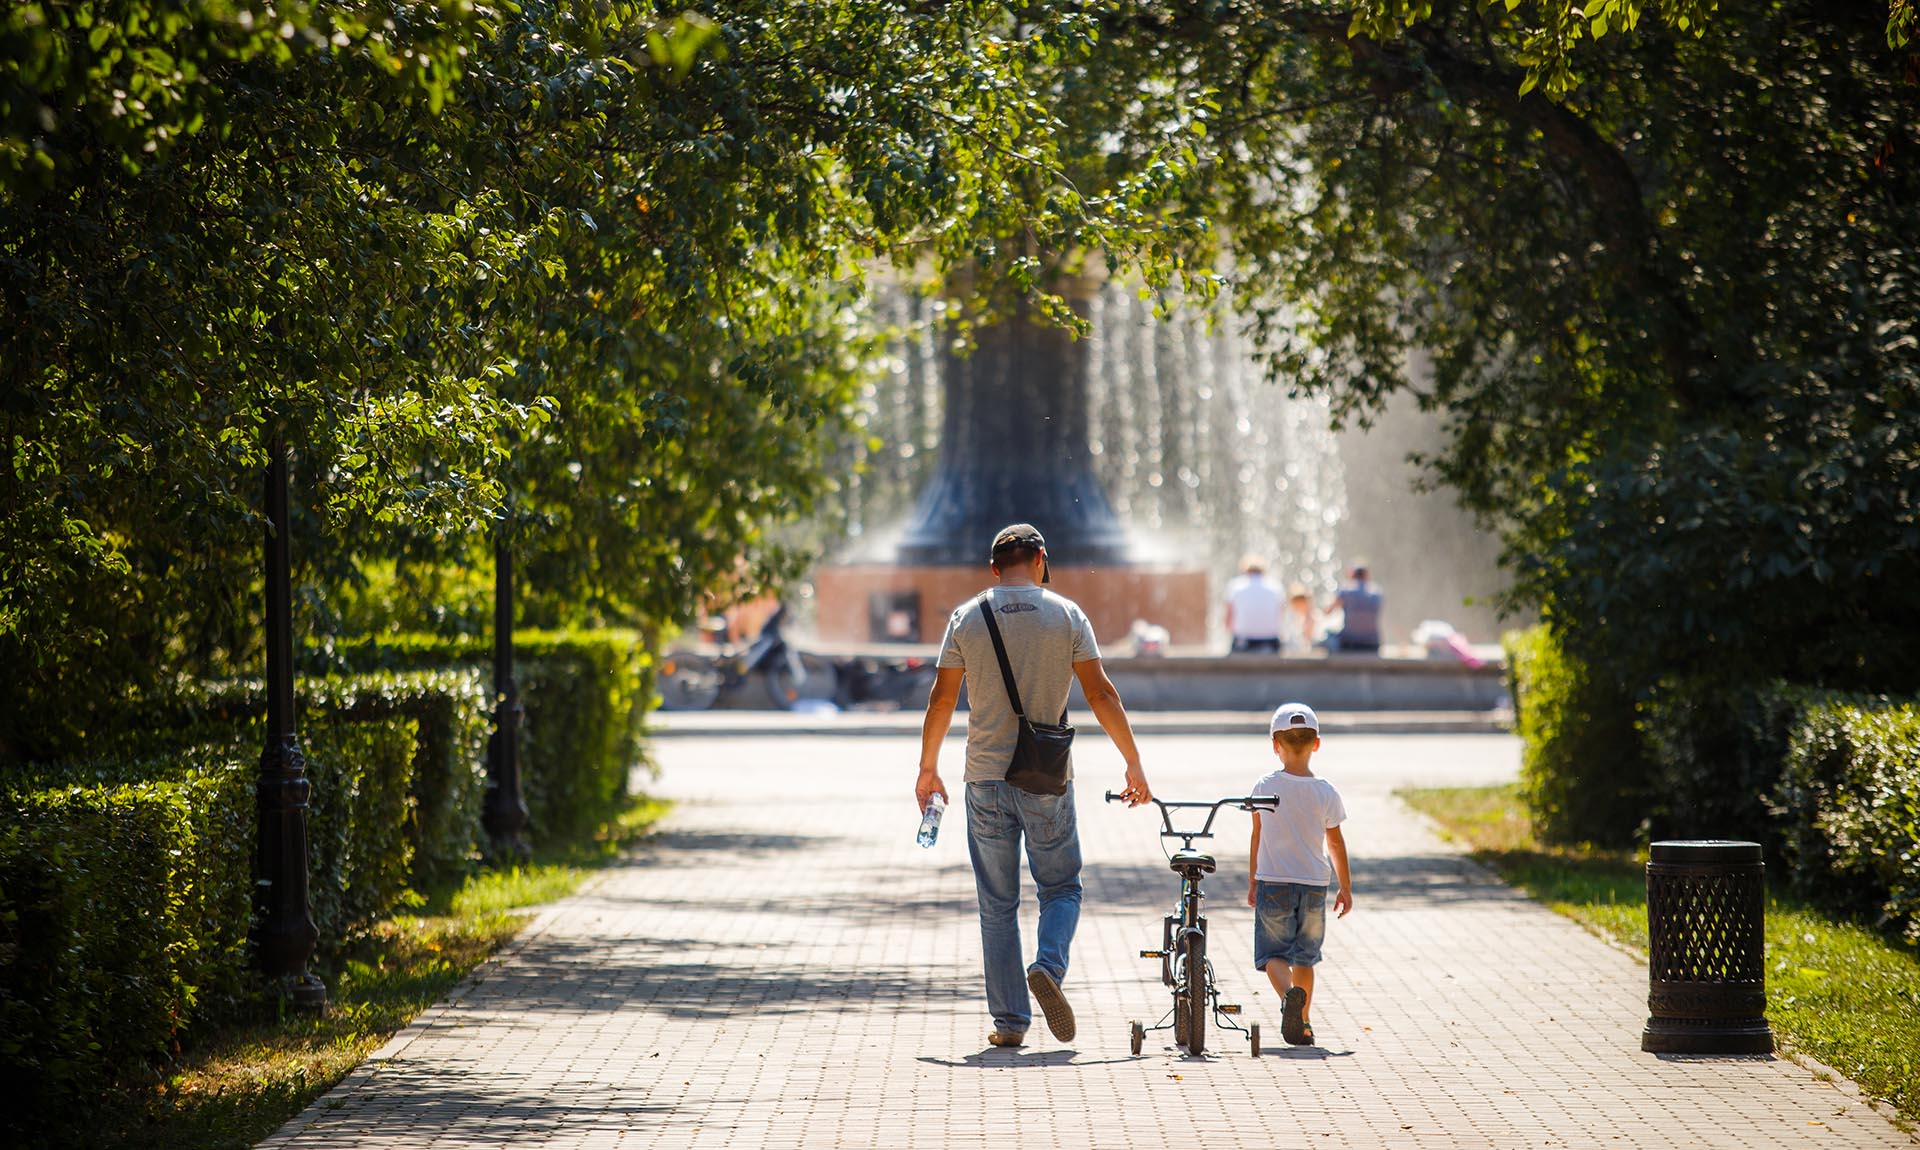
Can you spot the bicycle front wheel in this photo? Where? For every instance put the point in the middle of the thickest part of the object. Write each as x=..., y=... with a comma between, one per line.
x=1193, y=973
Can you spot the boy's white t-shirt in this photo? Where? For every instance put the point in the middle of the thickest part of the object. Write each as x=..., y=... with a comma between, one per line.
x=1293, y=836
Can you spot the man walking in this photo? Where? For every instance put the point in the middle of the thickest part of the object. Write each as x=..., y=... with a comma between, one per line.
x=1049, y=643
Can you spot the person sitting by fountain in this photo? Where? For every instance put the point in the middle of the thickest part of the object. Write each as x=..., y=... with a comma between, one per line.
x=1299, y=637
x=1254, y=609
x=1359, y=602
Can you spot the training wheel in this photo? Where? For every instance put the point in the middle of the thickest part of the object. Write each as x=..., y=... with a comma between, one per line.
x=1253, y=1038
x=1139, y=1037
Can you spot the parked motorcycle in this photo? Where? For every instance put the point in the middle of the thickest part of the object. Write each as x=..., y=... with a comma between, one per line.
x=768, y=671
x=877, y=683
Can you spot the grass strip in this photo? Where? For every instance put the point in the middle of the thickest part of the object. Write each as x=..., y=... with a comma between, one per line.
x=1841, y=992
x=237, y=1083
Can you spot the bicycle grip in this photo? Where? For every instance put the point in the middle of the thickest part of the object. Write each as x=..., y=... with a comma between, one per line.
x=1113, y=798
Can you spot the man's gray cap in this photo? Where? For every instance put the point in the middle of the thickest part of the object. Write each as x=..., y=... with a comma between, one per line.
x=1021, y=535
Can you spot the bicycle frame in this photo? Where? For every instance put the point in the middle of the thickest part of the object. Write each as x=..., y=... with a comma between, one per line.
x=1183, y=950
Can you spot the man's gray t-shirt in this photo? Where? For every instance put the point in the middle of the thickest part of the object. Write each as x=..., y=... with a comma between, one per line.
x=1045, y=635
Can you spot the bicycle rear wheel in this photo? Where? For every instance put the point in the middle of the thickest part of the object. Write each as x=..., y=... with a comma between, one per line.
x=1193, y=973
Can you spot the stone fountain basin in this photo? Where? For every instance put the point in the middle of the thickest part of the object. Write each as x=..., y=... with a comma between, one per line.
x=1325, y=682
x=1214, y=682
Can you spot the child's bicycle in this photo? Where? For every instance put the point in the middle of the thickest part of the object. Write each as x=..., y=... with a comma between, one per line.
x=1184, y=965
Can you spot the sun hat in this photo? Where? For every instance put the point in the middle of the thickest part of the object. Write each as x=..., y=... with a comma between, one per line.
x=1293, y=717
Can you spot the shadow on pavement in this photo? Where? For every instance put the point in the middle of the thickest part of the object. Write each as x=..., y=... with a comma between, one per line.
x=1304, y=1053
x=473, y=1112
x=999, y=1058
x=682, y=848
x=555, y=977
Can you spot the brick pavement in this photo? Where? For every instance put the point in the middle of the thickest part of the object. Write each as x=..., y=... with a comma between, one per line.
x=782, y=967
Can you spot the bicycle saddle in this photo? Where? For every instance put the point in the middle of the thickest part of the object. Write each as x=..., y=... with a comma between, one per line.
x=1186, y=858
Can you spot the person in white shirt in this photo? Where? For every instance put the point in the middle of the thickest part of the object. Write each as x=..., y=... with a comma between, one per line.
x=1297, y=850
x=1254, y=609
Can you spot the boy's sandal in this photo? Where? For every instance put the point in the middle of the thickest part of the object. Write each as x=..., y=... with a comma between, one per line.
x=1293, y=1017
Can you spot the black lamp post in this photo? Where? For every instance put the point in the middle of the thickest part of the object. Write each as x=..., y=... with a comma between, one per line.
x=504, y=812
x=284, y=934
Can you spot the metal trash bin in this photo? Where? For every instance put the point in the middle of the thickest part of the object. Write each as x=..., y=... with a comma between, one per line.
x=1706, y=949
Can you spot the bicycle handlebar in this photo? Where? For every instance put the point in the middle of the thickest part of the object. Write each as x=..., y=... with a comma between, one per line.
x=1244, y=802
x=1168, y=806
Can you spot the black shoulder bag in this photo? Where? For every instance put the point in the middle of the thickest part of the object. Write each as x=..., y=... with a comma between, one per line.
x=1042, y=751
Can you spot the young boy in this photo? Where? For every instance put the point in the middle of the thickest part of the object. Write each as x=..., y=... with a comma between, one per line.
x=1288, y=868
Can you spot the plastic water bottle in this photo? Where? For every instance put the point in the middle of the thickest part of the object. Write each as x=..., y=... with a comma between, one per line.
x=930, y=822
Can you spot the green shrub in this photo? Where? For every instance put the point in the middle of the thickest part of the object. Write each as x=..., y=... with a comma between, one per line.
x=1716, y=751
x=124, y=904
x=359, y=851
x=359, y=754
x=585, y=695
x=452, y=714
x=1582, y=769
x=1849, y=803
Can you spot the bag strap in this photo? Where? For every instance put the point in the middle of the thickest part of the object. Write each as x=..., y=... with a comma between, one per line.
x=1000, y=650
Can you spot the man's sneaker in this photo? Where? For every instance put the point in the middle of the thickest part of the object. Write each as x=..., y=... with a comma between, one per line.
x=1007, y=1038
x=1053, y=1004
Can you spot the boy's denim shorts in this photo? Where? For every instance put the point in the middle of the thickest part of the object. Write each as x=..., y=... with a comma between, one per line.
x=1289, y=924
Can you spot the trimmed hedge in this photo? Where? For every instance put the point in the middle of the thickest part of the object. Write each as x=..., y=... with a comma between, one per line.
x=1582, y=769
x=1716, y=753
x=1828, y=783
x=125, y=882
x=452, y=716
x=124, y=906
x=585, y=694
x=1849, y=808
x=360, y=854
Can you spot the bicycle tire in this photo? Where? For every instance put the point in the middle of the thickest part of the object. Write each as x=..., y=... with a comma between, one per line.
x=688, y=683
x=1193, y=970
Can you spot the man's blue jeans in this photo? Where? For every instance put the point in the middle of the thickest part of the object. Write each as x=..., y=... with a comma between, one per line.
x=998, y=815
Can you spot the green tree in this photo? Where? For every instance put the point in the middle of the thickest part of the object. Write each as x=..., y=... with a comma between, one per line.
x=200, y=252
x=1669, y=312
x=585, y=271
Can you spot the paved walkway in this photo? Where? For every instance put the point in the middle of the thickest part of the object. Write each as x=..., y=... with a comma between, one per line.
x=782, y=967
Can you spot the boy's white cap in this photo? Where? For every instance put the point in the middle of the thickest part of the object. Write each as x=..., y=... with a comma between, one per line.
x=1293, y=717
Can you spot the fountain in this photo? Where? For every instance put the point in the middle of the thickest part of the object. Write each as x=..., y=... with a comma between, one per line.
x=1014, y=445
x=1162, y=453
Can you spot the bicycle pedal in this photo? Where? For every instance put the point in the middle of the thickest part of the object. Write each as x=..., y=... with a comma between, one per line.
x=1153, y=954
x=1225, y=1009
